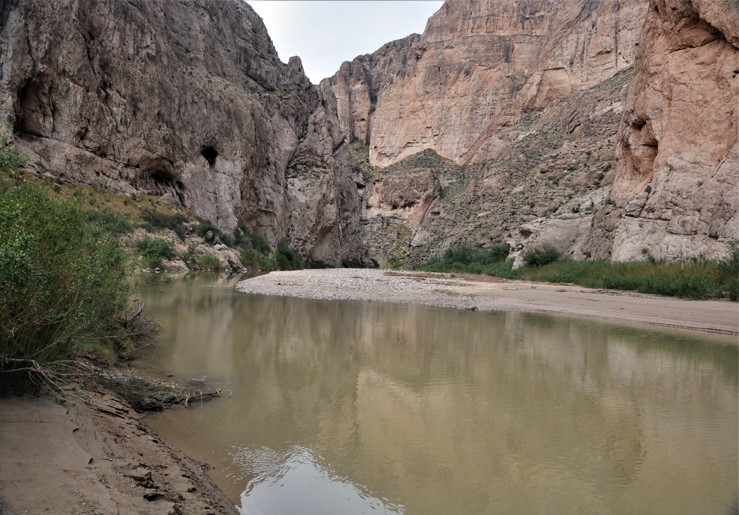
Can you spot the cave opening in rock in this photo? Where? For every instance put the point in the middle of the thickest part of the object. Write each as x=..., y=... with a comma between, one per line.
x=162, y=178
x=210, y=154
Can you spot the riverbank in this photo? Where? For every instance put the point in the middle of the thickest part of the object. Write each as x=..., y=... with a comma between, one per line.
x=484, y=293
x=87, y=451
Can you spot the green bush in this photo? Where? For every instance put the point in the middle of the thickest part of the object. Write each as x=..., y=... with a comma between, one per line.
x=253, y=260
x=728, y=272
x=286, y=258
x=543, y=255
x=159, y=220
x=189, y=257
x=154, y=251
x=112, y=223
x=212, y=234
x=470, y=260
x=62, y=278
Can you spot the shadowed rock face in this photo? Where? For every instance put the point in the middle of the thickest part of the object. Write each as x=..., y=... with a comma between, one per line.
x=186, y=99
x=676, y=191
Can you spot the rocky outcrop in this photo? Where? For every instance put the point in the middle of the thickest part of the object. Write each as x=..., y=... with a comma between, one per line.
x=676, y=191
x=184, y=99
x=529, y=99
x=477, y=68
x=552, y=174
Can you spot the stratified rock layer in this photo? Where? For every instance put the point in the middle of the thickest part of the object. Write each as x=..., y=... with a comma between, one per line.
x=477, y=68
x=186, y=99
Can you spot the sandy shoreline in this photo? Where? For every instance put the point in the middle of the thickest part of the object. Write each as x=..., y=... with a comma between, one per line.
x=484, y=293
x=91, y=453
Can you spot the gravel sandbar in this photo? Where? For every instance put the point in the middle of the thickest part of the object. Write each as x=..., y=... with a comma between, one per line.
x=493, y=294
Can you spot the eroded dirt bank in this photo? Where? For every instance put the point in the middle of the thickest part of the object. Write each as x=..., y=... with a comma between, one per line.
x=92, y=453
x=493, y=294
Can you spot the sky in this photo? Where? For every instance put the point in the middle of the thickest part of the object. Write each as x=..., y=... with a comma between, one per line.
x=326, y=33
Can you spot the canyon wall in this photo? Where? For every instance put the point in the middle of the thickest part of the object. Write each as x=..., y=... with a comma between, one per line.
x=478, y=66
x=605, y=128
x=676, y=190
x=187, y=100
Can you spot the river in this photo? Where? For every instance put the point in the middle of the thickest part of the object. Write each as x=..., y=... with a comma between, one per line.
x=341, y=407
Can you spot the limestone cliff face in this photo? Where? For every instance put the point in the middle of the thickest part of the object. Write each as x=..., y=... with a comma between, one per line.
x=186, y=99
x=479, y=65
x=676, y=191
x=606, y=128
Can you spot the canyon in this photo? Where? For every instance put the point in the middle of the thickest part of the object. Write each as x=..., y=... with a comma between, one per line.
x=607, y=129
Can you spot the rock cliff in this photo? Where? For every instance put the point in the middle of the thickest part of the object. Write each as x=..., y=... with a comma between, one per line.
x=478, y=66
x=606, y=128
x=186, y=99
x=676, y=190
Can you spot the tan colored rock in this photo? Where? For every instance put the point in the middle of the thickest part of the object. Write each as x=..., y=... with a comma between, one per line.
x=676, y=190
x=477, y=68
x=186, y=99
x=399, y=207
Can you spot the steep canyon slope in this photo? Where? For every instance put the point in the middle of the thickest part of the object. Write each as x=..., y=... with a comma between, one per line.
x=607, y=128
x=676, y=191
x=528, y=111
x=186, y=99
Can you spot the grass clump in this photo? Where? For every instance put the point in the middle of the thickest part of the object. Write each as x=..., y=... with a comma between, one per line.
x=207, y=262
x=10, y=159
x=113, y=223
x=154, y=251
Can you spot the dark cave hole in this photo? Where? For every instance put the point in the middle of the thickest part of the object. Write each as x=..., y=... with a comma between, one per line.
x=210, y=154
x=162, y=177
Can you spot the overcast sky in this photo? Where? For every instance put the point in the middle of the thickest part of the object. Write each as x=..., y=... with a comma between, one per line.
x=326, y=33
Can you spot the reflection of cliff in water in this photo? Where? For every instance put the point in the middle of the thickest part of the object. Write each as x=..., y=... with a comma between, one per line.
x=515, y=411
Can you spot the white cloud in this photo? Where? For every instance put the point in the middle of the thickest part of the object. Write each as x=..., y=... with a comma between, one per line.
x=326, y=33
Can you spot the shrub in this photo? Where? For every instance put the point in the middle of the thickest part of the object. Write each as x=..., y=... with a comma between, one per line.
x=62, y=279
x=728, y=272
x=154, y=250
x=286, y=257
x=253, y=260
x=159, y=220
x=543, y=255
x=212, y=234
x=112, y=223
x=190, y=255
x=471, y=260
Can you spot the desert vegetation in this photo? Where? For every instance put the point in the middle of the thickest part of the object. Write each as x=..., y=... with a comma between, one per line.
x=690, y=278
x=63, y=279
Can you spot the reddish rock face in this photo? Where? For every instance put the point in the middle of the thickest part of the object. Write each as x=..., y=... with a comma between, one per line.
x=182, y=98
x=478, y=66
x=677, y=182
x=487, y=76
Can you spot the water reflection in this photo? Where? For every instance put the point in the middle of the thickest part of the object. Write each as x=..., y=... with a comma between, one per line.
x=296, y=482
x=422, y=410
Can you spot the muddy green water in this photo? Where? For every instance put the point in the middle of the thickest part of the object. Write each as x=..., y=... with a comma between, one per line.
x=349, y=407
